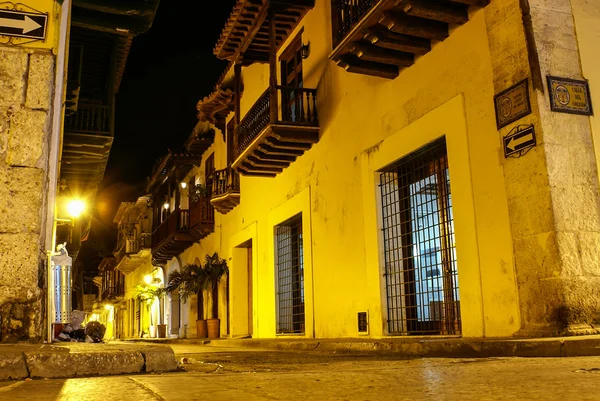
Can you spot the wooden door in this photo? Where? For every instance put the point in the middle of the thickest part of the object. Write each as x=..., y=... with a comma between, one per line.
x=291, y=80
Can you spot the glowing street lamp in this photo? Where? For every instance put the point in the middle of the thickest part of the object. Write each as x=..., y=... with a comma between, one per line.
x=75, y=207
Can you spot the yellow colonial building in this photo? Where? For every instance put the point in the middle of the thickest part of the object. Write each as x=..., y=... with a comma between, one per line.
x=394, y=168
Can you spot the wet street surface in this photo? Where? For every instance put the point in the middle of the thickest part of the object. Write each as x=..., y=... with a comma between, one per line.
x=227, y=374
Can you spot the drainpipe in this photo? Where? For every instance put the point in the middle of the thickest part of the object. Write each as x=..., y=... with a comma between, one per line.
x=55, y=155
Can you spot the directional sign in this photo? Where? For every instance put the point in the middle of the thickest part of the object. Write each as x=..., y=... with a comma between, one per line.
x=22, y=24
x=519, y=141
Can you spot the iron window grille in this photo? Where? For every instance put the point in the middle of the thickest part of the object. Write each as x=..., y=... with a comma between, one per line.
x=421, y=279
x=290, y=276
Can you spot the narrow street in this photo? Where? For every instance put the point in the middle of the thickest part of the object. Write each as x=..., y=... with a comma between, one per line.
x=234, y=374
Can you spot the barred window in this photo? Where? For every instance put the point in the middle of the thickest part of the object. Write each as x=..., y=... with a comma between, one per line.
x=421, y=279
x=289, y=259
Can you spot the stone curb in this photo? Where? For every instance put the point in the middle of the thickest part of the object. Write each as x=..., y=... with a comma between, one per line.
x=58, y=363
x=553, y=347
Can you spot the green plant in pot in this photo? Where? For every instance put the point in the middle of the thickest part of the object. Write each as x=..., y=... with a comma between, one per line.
x=190, y=280
x=215, y=268
x=147, y=295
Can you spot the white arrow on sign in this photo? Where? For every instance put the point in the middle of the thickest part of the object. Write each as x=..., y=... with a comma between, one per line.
x=26, y=24
x=513, y=143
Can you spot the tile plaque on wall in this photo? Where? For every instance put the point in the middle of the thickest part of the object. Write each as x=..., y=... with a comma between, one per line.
x=569, y=96
x=512, y=104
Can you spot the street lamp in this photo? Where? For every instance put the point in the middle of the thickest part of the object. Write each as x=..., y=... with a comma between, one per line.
x=75, y=207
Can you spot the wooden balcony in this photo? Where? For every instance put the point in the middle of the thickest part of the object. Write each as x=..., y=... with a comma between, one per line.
x=225, y=190
x=381, y=37
x=202, y=217
x=281, y=126
x=115, y=292
x=133, y=253
x=172, y=237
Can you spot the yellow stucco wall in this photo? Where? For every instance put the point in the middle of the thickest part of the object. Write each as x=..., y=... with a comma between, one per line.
x=587, y=27
x=367, y=123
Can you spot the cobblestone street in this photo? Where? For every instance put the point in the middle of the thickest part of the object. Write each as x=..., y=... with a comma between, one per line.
x=255, y=375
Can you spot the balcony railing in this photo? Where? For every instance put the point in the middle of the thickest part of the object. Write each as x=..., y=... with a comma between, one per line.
x=202, y=216
x=225, y=181
x=144, y=241
x=178, y=220
x=113, y=292
x=291, y=106
x=90, y=118
x=346, y=14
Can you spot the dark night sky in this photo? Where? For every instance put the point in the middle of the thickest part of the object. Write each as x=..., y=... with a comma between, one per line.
x=169, y=69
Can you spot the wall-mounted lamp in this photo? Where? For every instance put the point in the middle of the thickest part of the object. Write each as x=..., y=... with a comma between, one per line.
x=75, y=207
x=166, y=206
x=183, y=185
x=305, y=50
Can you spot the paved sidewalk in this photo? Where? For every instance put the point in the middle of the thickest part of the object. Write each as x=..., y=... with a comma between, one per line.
x=417, y=347
x=62, y=360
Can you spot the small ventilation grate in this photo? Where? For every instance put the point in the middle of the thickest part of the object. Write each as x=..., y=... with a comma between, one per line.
x=363, y=325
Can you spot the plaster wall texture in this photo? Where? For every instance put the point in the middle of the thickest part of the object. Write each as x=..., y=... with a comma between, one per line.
x=26, y=89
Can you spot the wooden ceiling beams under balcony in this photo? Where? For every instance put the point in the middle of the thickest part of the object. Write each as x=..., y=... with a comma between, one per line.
x=393, y=33
x=127, y=17
x=246, y=33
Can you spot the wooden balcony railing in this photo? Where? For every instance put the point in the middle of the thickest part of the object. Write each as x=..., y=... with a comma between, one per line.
x=280, y=105
x=113, y=292
x=90, y=118
x=178, y=221
x=346, y=14
x=144, y=241
x=202, y=216
x=225, y=181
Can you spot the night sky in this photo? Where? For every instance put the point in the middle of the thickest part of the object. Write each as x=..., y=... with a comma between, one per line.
x=169, y=69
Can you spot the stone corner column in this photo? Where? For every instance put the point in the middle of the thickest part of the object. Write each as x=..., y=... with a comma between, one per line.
x=552, y=191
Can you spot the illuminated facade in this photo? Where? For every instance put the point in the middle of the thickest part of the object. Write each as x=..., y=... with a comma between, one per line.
x=365, y=183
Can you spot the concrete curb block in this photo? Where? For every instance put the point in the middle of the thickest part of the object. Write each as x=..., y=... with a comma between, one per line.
x=13, y=366
x=540, y=348
x=82, y=360
x=63, y=365
x=159, y=360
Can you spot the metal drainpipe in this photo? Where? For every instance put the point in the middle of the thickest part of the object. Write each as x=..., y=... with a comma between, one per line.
x=55, y=154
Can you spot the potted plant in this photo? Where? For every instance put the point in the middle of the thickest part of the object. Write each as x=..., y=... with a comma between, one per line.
x=214, y=268
x=190, y=280
x=148, y=294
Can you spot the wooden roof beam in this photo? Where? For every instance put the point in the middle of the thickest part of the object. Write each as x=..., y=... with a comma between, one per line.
x=443, y=12
x=120, y=7
x=353, y=64
x=381, y=37
x=368, y=52
x=415, y=26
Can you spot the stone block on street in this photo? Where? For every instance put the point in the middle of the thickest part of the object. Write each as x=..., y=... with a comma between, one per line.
x=12, y=366
x=159, y=359
x=74, y=364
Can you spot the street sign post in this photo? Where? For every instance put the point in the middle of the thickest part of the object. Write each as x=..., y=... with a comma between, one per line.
x=23, y=24
x=519, y=141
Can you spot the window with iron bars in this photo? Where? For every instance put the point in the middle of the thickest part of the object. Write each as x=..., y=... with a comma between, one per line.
x=289, y=260
x=421, y=280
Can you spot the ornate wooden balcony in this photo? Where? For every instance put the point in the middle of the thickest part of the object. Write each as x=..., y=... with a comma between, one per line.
x=133, y=253
x=172, y=237
x=380, y=37
x=202, y=217
x=225, y=190
x=281, y=126
x=114, y=292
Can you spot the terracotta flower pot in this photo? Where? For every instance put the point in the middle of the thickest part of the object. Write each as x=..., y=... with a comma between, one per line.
x=201, y=329
x=214, y=328
x=162, y=331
